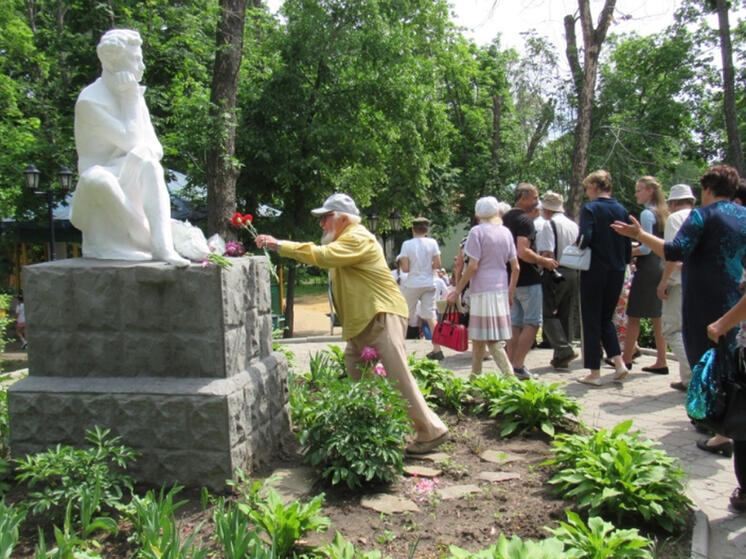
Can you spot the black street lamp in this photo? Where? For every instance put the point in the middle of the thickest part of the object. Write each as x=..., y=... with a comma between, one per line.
x=65, y=177
x=394, y=227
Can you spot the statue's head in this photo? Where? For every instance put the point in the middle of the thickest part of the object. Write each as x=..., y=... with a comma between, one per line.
x=119, y=50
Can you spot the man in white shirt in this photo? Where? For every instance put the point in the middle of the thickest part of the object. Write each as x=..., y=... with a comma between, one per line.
x=559, y=287
x=419, y=258
x=680, y=203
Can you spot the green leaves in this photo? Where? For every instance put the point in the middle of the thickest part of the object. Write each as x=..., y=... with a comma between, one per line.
x=352, y=431
x=525, y=405
x=599, y=539
x=621, y=477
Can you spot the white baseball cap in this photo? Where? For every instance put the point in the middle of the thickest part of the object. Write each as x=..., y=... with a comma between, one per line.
x=337, y=203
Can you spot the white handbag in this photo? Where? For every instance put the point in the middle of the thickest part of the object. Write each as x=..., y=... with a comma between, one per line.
x=575, y=257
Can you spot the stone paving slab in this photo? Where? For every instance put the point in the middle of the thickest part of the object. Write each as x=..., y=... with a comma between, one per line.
x=656, y=409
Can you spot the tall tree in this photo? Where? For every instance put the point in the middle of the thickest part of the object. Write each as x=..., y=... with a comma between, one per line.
x=735, y=150
x=222, y=166
x=584, y=78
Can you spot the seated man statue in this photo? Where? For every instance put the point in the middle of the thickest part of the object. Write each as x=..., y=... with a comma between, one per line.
x=121, y=203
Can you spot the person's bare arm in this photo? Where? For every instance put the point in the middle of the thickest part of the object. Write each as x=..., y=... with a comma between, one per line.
x=404, y=264
x=729, y=320
x=525, y=253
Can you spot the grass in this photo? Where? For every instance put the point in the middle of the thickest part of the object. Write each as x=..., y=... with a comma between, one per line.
x=311, y=289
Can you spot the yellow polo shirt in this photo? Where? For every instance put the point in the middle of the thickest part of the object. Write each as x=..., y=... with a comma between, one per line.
x=362, y=284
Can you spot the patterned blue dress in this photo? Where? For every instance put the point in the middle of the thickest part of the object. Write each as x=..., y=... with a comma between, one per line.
x=712, y=245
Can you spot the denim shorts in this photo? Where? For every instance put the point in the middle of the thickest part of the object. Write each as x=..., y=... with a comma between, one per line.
x=526, y=309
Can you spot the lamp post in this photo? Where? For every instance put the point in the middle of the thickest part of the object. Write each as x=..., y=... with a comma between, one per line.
x=65, y=177
x=394, y=226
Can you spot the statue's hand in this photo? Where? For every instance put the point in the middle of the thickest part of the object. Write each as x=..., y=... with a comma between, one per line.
x=127, y=84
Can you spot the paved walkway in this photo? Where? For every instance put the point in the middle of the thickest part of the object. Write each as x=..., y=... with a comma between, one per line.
x=656, y=409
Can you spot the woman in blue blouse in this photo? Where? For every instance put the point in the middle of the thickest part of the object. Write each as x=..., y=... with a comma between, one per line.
x=712, y=245
x=601, y=285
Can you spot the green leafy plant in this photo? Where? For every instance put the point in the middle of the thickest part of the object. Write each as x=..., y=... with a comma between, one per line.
x=526, y=405
x=486, y=387
x=4, y=425
x=439, y=385
x=514, y=548
x=620, y=477
x=157, y=534
x=600, y=540
x=340, y=548
x=65, y=473
x=5, y=320
x=233, y=531
x=354, y=431
x=285, y=524
x=11, y=518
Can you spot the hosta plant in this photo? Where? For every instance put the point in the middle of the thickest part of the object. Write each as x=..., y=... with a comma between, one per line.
x=526, y=405
x=600, y=540
x=354, y=431
x=620, y=477
x=514, y=548
x=439, y=385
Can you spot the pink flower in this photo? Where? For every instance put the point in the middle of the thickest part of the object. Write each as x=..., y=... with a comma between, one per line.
x=234, y=248
x=379, y=370
x=368, y=353
x=424, y=486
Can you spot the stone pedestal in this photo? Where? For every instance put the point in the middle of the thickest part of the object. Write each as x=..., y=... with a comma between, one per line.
x=178, y=362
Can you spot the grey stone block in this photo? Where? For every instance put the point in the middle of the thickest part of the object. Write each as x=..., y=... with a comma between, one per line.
x=179, y=363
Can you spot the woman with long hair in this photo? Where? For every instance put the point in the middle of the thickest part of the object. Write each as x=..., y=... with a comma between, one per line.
x=643, y=298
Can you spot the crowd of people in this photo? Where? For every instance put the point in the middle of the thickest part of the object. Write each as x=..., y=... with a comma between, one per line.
x=686, y=265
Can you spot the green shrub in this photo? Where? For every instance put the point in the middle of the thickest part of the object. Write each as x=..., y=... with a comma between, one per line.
x=282, y=524
x=157, y=534
x=487, y=387
x=11, y=518
x=4, y=425
x=529, y=404
x=620, y=477
x=233, y=531
x=439, y=385
x=354, y=432
x=67, y=474
x=5, y=320
x=515, y=548
x=340, y=548
x=600, y=540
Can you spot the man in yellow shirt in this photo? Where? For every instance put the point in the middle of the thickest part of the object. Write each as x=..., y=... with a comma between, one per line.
x=368, y=302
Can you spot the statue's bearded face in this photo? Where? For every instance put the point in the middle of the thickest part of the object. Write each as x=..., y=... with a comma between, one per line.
x=131, y=61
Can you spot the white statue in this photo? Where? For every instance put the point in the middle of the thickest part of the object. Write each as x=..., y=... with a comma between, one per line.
x=121, y=203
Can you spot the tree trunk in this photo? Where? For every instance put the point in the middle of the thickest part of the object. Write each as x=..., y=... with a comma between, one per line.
x=290, y=302
x=735, y=151
x=585, y=84
x=547, y=116
x=222, y=169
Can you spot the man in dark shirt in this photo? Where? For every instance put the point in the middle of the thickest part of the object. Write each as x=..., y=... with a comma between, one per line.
x=526, y=311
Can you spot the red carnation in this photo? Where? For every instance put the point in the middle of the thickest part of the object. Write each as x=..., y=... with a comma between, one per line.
x=237, y=219
x=248, y=218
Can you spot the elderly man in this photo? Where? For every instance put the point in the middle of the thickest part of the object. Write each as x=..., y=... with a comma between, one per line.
x=367, y=300
x=560, y=289
x=121, y=203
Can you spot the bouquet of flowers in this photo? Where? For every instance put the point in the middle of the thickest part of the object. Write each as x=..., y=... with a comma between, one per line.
x=245, y=221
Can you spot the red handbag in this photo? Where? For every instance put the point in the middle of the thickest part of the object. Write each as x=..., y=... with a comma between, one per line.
x=449, y=333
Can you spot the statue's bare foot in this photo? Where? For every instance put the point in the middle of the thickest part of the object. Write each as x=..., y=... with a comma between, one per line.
x=172, y=257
